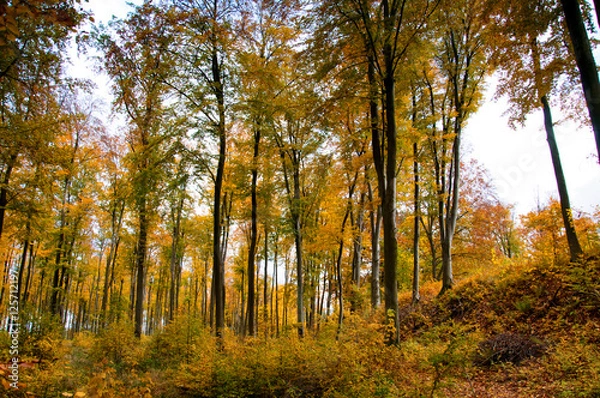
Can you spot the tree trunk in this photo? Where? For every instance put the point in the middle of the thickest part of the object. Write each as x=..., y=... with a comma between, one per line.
x=253, y=237
x=22, y=267
x=376, y=215
x=565, y=205
x=116, y=222
x=597, y=9
x=358, y=244
x=140, y=263
x=338, y=262
x=30, y=272
x=265, y=285
x=451, y=216
x=585, y=63
x=56, y=286
x=298, y=242
x=175, y=266
x=275, y=293
x=416, y=296
x=218, y=266
x=389, y=205
x=4, y=189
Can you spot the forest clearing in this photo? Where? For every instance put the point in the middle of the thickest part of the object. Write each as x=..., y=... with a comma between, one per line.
x=278, y=201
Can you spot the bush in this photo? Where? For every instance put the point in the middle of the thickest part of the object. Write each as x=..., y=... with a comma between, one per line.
x=508, y=347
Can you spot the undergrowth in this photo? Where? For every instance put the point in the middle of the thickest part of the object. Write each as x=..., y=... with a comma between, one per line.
x=528, y=331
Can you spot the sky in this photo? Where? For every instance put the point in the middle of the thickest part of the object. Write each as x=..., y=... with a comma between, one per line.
x=518, y=161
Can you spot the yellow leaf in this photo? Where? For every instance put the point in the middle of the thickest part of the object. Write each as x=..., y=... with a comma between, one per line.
x=80, y=394
x=5, y=384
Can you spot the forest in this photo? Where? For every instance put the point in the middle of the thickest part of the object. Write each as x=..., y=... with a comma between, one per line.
x=279, y=203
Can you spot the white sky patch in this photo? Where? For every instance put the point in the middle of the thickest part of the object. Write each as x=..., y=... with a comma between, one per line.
x=519, y=160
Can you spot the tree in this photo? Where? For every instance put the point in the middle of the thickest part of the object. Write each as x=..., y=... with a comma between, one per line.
x=585, y=63
x=138, y=61
x=386, y=30
x=202, y=52
x=462, y=63
x=544, y=66
x=266, y=30
x=33, y=36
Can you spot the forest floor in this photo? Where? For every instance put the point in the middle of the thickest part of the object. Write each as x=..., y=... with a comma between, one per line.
x=531, y=330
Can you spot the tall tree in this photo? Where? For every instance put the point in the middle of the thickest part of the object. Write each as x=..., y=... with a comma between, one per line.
x=387, y=30
x=462, y=63
x=138, y=61
x=202, y=52
x=585, y=63
x=532, y=38
x=33, y=37
x=266, y=32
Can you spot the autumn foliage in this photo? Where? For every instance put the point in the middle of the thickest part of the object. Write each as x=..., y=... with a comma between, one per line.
x=280, y=204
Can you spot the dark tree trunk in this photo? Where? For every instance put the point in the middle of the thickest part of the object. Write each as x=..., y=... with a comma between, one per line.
x=30, y=271
x=175, y=266
x=265, y=285
x=338, y=262
x=56, y=286
x=390, y=244
x=253, y=237
x=22, y=267
x=585, y=63
x=218, y=266
x=376, y=214
x=4, y=189
x=565, y=205
x=416, y=296
x=140, y=265
x=116, y=220
x=299, y=254
x=358, y=244
x=275, y=293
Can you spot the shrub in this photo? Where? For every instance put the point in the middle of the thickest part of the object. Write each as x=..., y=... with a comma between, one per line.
x=507, y=347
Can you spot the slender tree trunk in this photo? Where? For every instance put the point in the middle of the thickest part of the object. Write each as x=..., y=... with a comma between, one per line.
x=22, y=267
x=56, y=286
x=565, y=205
x=140, y=262
x=253, y=236
x=276, y=282
x=338, y=263
x=117, y=218
x=585, y=63
x=218, y=266
x=265, y=285
x=376, y=215
x=389, y=204
x=451, y=216
x=175, y=266
x=299, y=260
x=4, y=189
x=30, y=272
x=375, y=218
x=358, y=244
x=416, y=296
